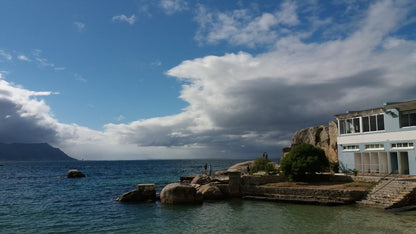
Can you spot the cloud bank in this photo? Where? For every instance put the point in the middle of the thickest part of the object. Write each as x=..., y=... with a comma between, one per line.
x=241, y=104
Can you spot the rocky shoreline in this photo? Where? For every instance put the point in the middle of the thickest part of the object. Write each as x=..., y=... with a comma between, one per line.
x=237, y=183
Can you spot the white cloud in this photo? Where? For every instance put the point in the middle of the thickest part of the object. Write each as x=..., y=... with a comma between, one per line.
x=123, y=18
x=119, y=118
x=23, y=58
x=242, y=27
x=59, y=68
x=6, y=55
x=80, y=78
x=80, y=26
x=173, y=6
x=156, y=63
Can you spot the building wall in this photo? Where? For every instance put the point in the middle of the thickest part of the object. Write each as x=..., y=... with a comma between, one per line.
x=392, y=134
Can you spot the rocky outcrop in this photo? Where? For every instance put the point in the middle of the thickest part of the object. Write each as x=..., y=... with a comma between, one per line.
x=74, y=173
x=240, y=167
x=178, y=193
x=324, y=137
x=201, y=179
x=210, y=191
x=143, y=193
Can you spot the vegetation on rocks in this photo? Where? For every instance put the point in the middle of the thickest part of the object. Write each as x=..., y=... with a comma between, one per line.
x=303, y=160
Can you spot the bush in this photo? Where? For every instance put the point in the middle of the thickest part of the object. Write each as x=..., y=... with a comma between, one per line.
x=261, y=164
x=304, y=160
x=334, y=167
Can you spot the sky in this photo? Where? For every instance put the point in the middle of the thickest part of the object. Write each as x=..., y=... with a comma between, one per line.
x=168, y=79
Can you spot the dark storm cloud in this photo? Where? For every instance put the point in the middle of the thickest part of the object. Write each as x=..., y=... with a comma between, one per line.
x=23, y=129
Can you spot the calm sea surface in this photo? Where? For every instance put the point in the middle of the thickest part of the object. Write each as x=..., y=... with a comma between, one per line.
x=37, y=197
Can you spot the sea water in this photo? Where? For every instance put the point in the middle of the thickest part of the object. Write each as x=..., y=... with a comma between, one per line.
x=37, y=197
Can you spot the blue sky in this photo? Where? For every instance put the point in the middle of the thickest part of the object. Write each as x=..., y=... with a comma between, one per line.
x=180, y=79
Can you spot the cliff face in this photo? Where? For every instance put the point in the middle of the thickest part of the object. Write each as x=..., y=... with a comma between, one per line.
x=31, y=152
x=324, y=137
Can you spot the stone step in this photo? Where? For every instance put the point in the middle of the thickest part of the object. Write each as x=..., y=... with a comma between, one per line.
x=388, y=193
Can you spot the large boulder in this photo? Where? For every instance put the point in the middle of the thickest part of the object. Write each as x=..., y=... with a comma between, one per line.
x=143, y=193
x=324, y=137
x=178, y=193
x=201, y=179
x=74, y=173
x=210, y=192
x=240, y=167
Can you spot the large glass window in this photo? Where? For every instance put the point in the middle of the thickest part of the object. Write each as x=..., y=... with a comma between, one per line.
x=348, y=126
x=369, y=123
x=380, y=122
x=408, y=119
x=373, y=123
x=356, y=123
x=342, y=126
x=366, y=125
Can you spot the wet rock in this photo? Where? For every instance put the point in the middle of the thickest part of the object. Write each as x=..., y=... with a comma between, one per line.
x=74, y=173
x=178, y=193
x=210, y=192
x=143, y=193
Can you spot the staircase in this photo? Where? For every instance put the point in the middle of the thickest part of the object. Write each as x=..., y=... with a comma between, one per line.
x=391, y=193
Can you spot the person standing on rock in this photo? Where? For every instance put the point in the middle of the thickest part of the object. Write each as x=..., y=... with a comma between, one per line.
x=205, y=167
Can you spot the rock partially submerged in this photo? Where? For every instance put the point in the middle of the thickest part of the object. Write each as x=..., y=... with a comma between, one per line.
x=211, y=191
x=74, y=173
x=178, y=193
x=143, y=193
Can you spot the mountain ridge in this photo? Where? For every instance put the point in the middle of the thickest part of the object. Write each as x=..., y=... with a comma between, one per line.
x=31, y=152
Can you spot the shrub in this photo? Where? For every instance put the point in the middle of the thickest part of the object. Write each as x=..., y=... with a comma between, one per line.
x=261, y=164
x=334, y=167
x=303, y=160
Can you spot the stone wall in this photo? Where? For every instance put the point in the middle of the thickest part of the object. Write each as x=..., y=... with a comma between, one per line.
x=260, y=180
x=324, y=137
x=304, y=195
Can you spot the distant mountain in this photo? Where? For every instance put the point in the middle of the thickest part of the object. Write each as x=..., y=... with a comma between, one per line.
x=31, y=152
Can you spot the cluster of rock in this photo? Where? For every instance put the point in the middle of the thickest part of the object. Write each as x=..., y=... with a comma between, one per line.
x=324, y=137
x=200, y=188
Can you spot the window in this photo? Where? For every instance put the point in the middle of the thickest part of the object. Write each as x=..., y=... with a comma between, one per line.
x=366, y=126
x=348, y=126
x=380, y=122
x=369, y=123
x=356, y=123
x=402, y=145
x=374, y=147
x=408, y=118
x=351, y=148
x=373, y=123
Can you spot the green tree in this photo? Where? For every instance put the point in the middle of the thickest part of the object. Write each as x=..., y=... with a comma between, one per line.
x=303, y=160
x=261, y=164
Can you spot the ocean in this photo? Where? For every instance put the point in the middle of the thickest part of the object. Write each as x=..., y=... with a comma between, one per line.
x=36, y=197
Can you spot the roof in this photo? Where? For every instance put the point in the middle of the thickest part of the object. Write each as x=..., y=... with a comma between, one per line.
x=401, y=106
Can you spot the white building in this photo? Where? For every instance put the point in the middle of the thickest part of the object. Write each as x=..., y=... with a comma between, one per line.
x=380, y=140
